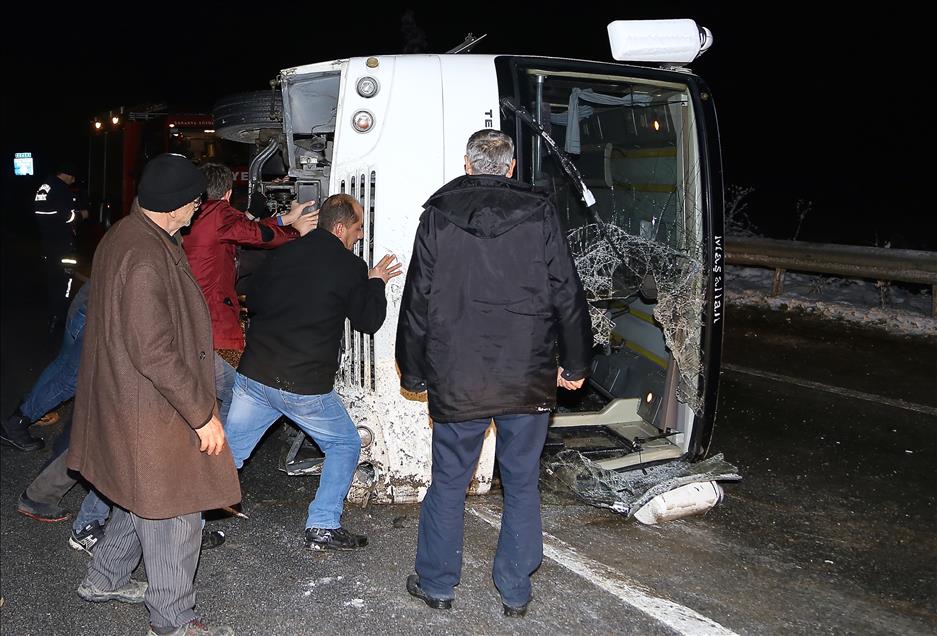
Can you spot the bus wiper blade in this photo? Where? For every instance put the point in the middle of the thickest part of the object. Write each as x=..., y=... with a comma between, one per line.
x=572, y=172
x=568, y=166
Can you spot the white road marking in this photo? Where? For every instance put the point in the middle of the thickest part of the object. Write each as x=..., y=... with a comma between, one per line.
x=838, y=390
x=681, y=619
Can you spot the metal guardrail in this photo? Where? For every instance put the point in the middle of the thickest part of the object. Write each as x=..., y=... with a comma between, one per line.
x=850, y=261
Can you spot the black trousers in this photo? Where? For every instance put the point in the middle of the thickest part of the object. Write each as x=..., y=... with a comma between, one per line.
x=56, y=286
x=456, y=449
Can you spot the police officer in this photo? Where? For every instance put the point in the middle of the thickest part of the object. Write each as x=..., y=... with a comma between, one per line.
x=56, y=214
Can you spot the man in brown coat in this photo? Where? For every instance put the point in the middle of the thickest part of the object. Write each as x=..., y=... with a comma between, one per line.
x=146, y=431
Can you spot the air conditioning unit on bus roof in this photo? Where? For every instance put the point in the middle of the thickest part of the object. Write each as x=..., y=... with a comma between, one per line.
x=666, y=41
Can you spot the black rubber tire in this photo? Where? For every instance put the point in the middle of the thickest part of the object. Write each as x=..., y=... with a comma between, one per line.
x=241, y=116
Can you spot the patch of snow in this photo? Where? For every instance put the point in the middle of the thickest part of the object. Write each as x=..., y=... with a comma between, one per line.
x=858, y=301
x=324, y=581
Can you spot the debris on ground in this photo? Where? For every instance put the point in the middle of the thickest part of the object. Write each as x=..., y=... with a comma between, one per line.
x=627, y=492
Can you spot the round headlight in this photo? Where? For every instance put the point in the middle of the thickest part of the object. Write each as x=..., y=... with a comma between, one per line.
x=367, y=86
x=362, y=121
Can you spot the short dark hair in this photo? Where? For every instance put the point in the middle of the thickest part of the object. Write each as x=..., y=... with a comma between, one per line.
x=338, y=208
x=66, y=167
x=219, y=177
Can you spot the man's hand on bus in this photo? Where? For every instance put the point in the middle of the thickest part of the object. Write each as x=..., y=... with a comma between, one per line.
x=306, y=223
x=296, y=210
x=386, y=268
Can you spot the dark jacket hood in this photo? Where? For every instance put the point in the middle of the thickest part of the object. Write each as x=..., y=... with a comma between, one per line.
x=486, y=205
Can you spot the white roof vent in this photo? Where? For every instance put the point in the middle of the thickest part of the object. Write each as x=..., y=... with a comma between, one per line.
x=670, y=41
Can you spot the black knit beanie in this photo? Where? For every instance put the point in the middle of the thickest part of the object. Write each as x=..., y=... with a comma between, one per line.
x=169, y=181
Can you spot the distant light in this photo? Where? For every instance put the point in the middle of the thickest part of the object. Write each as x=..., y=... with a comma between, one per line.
x=172, y=125
x=69, y=261
x=649, y=398
x=97, y=125
x=209, y=130
x=656, y=125
x=115, y=120
x=362, y=121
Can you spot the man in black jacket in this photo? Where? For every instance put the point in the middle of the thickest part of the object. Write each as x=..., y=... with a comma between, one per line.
x=299, y=300
x=492, y=299
x=56, y=215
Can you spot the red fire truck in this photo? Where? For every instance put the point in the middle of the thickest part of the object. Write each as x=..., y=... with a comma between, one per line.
x=124, y=139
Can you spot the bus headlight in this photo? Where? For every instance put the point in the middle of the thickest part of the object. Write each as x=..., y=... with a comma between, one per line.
x=367, y=86
x=362, y=121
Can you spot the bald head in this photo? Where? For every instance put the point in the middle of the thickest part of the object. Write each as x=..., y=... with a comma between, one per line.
x=341, y=214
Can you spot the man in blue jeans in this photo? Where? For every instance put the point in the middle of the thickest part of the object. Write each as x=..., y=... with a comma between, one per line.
x=299, y=300
x=55, y=385
x=490, y=341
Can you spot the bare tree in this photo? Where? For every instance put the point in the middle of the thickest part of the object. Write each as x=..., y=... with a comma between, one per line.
x=801, y=208
x=736, y=215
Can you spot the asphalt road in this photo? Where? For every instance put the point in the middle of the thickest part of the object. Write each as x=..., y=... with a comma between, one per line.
x=831, y=530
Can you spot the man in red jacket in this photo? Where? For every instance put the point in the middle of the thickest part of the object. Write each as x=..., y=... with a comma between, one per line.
x=211, y=249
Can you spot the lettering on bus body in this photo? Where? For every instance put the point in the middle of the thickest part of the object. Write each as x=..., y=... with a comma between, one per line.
x=718, y=290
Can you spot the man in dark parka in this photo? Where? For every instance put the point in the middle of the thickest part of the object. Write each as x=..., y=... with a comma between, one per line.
x=146, y=431
x=493, y=318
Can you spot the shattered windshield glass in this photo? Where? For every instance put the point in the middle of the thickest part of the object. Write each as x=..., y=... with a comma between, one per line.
x=634, y=143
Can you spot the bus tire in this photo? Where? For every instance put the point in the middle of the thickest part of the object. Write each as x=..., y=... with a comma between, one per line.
x=242, y=116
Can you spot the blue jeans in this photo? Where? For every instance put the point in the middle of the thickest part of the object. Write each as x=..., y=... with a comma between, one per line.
x=255, y=407
x=456, y=448
x=57, y=381
x=93, y=508
x=224, y=385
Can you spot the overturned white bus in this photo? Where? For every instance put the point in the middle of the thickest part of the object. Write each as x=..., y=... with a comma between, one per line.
x=631, y=154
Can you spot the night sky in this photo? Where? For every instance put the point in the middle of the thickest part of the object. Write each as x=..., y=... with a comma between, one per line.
x=813, y=109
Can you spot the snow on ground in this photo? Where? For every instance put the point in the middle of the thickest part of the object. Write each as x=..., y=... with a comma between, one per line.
x=892, y=307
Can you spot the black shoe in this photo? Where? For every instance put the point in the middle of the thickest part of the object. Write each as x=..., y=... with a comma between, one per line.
x=413, y=587
x=39, y=511
x=515, y=612
x=13, y=432
x=87, y=538
x=212, y=539
x=333, y=539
